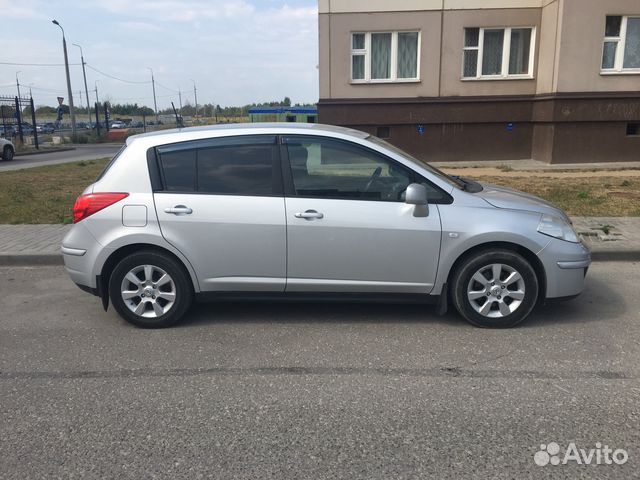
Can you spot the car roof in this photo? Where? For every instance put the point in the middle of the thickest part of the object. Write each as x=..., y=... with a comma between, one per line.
x=181, y=134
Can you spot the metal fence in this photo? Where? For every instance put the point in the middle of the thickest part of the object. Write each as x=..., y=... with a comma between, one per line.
x=13, y=125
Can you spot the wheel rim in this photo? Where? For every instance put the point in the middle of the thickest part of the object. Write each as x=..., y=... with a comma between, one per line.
x=496, y=290
x=148, y=291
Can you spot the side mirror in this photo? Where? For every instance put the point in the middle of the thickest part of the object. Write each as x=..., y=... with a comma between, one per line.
x=417, y=195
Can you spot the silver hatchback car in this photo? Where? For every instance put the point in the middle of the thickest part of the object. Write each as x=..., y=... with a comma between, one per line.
x=297, y=211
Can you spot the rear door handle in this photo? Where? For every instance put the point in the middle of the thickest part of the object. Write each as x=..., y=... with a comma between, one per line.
x=309, y=215
x=179, y=210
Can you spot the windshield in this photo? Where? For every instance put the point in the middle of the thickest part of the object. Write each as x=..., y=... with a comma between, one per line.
x=441, y=175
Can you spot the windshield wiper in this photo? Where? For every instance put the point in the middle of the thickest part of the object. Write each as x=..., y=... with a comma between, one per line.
x=460, y=181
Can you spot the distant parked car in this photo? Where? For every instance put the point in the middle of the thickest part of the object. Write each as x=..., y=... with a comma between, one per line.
x=6, y=131
x=7, y=149
x=117, y=124
x=27, y=129
x=45, y=128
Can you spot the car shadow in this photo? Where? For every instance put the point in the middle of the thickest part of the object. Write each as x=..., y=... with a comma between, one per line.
x=315, y=312
x=597, y=303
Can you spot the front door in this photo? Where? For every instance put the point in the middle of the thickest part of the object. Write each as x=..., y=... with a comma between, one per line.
x=348, y=228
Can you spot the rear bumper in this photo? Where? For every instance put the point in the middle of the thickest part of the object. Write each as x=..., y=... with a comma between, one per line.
x=79, y=252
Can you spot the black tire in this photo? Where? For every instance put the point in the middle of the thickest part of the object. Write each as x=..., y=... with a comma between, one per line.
x=481, y=262
x=182, y=289
x=7, y=153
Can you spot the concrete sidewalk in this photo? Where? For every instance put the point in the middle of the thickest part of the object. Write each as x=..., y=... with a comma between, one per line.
x=610, y=239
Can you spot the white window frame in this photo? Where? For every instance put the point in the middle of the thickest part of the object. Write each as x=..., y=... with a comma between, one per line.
x=506, y=52
x=393, y=72
x=621, y=40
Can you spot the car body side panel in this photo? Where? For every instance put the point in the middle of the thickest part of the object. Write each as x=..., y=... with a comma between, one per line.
x=236, y=243
x=361, y=246
x=467, y=226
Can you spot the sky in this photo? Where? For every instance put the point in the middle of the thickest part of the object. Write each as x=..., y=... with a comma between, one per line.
x=236, y=51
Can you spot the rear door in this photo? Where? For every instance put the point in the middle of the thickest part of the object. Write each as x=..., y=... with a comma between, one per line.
x=348, y=228
x=221, y=204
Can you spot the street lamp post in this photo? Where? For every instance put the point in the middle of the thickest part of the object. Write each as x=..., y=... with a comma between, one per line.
x=153, y=85
x=84, y=74
x=66, y=67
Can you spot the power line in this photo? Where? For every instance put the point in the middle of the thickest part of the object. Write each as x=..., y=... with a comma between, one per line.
x=36, y=64
x=115, y=78
x=166, y=88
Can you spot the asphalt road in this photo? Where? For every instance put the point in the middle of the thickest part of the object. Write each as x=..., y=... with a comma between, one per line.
x=313, y=390
x=80, y=152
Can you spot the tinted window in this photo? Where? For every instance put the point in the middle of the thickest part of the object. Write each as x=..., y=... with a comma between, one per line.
x=236, y=170
x=179, y=168
x=326, y=168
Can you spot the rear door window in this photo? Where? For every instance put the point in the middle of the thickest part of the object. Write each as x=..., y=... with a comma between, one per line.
x=248, y=165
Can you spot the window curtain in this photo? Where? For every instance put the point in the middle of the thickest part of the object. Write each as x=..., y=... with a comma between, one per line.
x=380, y=55
x=519, y=54
x=408, y=55
x=492, y=54
x=632, y=47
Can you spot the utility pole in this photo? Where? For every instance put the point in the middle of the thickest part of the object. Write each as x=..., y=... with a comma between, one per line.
x=66, y=67
x=80, y=97
x=18, y=83
x=180, y=98
x=84, y=74
x=96, y=90
x=195, y=96
x=153, y=85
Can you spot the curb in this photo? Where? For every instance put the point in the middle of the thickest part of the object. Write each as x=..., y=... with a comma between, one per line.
x=53, y=259
x=42, y=152
x=30, y=260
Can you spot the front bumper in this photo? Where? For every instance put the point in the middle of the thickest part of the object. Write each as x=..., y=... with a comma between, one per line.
x=566, y=266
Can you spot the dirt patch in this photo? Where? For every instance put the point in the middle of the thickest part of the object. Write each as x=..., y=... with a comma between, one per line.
x=490, y=171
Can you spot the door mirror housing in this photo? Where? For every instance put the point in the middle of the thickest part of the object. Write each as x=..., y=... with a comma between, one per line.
x=417, y=195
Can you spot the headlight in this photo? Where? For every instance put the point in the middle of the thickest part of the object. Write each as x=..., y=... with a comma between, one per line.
x=557, y=228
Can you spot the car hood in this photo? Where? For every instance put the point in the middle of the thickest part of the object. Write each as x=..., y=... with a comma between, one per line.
x=504, y=197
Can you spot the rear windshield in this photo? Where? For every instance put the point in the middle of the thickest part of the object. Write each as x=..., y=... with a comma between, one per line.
x=110, y=163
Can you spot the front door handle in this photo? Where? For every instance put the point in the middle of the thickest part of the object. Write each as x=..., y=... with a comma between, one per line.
x=309, y=215
x=179, y=210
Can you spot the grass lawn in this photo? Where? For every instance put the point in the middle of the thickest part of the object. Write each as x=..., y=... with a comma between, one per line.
x=46, y=194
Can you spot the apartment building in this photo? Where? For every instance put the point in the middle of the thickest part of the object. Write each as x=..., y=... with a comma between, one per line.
x=553, y=80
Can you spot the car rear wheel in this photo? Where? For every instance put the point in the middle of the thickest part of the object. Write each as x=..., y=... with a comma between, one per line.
x=150, y=290
x=495, y=289
x=7, y=153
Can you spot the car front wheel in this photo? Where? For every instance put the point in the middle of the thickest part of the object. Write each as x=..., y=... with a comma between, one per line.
x=7, y=153
x=495, y=289
x=150, y=290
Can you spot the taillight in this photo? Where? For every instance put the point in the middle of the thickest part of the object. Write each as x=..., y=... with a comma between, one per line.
x=91, y=203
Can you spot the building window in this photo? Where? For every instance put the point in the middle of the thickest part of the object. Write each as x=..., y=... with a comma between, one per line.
x=633, y=129
x=385, y=57
x=621, y=49
x=498, y=53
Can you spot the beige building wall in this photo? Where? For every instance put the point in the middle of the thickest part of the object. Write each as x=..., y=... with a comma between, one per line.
x=548, y=47
x=580, y=55
x=337, y=28
x=453, y=41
